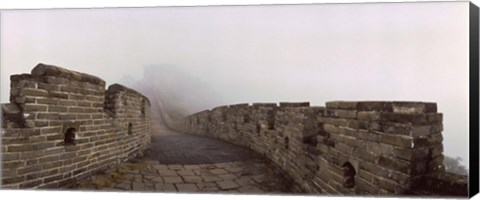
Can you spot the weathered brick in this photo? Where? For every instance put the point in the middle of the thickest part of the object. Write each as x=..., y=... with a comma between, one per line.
x=47, y=101
x=76, y=97
x=20, y=148
x=58, y=136
x=29, y=169
x=34, y=108
x=75, y=110
x=395, y=164
x=53, y=178
x=84, y=104
x=9, y=156
x=349, y=105
x=14, y=140
x=368, y=115
x=397, y=140
x=12, y=180
x=412, y=155
x=30, y=154
x=47, y=116
x=67, y=116
x=57, y=109
x=50, y=165
x=12, y=164
x=415, y=119
x=49, y=130
x=35, y=92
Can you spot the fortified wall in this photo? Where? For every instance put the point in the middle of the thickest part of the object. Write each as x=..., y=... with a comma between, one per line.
x=377, y=148
x=61, y=126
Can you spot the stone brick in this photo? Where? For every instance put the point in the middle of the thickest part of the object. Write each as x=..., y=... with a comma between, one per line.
x=47, y=116
x=349, y=105
x=35, y=92
x=411, y=154
x=57, y=109
x=34, y=108
x=29, y=169
x=48, y=87
x=11, y=180
x=20, y=148
x=30, y=154
x=414, y=107
x=397, y=140
x=368, y=115
x=173, y=179
x=395, y=164
x=415, y=119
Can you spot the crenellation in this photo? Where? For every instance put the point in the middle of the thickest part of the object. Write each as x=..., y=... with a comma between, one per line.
x=53, y=101
x=390, y=146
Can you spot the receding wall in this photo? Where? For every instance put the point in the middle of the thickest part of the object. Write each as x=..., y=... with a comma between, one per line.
x=61, y=126
x=377, y=148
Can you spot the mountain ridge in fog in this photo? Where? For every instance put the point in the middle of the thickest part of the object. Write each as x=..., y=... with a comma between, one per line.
x=173, y=93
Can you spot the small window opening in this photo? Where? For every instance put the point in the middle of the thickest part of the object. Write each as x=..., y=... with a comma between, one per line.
x=130, y=129
x=286, y=141
x=224, y=117
x=348, y=175
x=69, y=138
x=271, y=119
x=258, y=129
x=246, y=118
x=143, y=107
x=271, y=124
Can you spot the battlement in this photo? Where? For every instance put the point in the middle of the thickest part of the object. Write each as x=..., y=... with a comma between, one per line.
x=346, y=147
x=61, y=126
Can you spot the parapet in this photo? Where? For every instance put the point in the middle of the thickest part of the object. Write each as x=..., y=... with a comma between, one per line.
x=116, y=88
x=58, y=128
x=346, y=147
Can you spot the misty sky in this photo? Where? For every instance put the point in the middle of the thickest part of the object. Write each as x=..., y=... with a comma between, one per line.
x=316, y=53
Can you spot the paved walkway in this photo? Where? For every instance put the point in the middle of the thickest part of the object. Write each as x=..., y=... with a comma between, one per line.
x=169, y=147
x=178, y=162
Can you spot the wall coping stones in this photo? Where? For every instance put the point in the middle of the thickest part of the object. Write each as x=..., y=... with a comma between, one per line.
x=115, y=88
x=10, y=108
x=406, y=107
x=240, y=105
x=391, y=145
x=294, y=104
x=51, y=70
x=256, y=105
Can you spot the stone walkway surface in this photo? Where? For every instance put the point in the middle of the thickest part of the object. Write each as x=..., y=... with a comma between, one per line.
x=178, y=162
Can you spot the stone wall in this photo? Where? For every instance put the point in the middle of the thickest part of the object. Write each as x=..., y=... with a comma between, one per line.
x=366, y=148
x=61, y=126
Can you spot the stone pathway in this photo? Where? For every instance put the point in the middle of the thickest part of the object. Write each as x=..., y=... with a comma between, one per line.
x=186, y=163
x=170, y=147
x=253, y=177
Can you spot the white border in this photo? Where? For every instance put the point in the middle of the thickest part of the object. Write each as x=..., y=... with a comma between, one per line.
x=42, y=4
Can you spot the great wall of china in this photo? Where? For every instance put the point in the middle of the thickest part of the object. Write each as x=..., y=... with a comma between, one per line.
x=62, y=126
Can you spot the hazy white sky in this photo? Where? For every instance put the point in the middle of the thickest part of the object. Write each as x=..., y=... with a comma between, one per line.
x=316, y=53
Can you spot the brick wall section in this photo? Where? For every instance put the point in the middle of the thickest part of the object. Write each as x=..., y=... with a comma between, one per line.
x=51, y=100
x=391, y=147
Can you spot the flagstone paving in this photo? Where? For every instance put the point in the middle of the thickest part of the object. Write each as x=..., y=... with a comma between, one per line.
x=252, y=176
x=184, y=163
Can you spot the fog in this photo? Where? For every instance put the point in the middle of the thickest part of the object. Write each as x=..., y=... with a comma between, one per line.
x=201, y=57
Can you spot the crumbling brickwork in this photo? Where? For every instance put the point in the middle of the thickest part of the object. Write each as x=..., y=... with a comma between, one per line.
x=61, y=126
x=377, y=148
